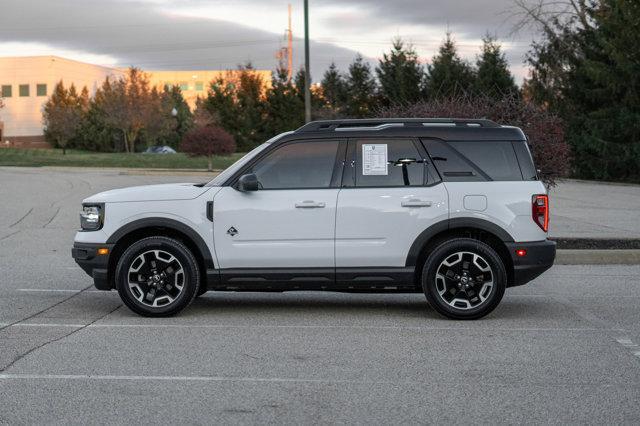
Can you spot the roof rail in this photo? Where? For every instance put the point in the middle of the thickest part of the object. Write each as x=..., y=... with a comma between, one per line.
x=374, y=124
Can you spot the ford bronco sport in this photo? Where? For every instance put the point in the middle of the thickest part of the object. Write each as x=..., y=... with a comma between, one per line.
x=452, y=208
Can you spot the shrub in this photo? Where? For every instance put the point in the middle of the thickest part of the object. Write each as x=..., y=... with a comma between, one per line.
x=207, y=141
x=544, y=130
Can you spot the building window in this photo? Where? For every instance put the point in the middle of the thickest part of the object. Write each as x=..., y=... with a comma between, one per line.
x=41, y=90
x=184, y=86
x=23, y=90
x=6, y=91
x=199, y=86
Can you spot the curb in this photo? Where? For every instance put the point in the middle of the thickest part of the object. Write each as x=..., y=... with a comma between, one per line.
x=596, y=182
x=597, y=257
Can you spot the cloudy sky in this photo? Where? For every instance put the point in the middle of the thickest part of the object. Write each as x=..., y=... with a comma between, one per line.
x=212, y=34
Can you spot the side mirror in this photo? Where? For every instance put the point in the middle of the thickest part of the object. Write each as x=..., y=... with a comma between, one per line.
x=248, y=182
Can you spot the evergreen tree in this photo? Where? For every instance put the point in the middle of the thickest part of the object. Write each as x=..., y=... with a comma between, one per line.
x=448, y=75
x=316, y=98
x=361, y=89
x=171, y=98
x=284, y=109
x=493, y=77
x=161, y=124
x=334, y=91
x=602, y=94
x=585, y=69
x=237, y=104
x=400, y=74
x=94, y=133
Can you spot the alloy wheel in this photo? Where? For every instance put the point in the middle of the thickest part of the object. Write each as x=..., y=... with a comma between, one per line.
x=156, y=278
x=464, y=280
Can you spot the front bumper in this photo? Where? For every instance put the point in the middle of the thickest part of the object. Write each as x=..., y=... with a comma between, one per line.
x=540, y=256
x=96, y=265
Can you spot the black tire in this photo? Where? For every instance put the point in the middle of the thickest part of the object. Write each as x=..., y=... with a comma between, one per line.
x=462, y=262
x=153, y=257
x=202, y=290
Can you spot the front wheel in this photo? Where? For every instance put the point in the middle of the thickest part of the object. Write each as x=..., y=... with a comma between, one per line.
x=157, y=277
x=464, y=279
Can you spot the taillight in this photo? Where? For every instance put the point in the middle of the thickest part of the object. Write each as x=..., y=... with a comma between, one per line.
x=540, y=211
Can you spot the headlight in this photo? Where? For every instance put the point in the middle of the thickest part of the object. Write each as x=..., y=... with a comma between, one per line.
x=91, y=217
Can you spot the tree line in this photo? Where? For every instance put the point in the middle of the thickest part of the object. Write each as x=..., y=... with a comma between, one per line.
x=126, y=114
x=584, y=82
x=251, y=113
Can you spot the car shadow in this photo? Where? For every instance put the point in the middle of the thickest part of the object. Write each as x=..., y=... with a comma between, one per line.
x=313, y=302
x=349, y=304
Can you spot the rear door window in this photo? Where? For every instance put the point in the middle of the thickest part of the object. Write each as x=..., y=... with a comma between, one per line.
x=388, y=162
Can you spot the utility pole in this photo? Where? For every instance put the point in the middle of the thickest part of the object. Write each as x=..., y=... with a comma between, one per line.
x=307, y=72
x=290, y=49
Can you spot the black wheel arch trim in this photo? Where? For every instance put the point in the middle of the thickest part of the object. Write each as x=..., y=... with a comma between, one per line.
x=449, y=224
x=161, y=222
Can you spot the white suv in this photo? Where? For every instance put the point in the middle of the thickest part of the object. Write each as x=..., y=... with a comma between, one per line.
x=452, y=208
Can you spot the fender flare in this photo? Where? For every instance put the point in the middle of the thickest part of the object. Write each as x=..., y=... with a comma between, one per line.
x=462, y=222
x=161, y=222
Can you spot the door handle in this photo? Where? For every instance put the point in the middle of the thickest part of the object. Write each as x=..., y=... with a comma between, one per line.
x=310, y=204
x=415, y=202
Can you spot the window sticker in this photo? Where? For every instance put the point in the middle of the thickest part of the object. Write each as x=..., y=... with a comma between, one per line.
x=374, y=160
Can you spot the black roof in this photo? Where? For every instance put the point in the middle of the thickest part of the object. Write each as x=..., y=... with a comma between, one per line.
x=451, y=129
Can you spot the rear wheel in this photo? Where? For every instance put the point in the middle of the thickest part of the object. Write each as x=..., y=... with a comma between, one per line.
x=464, y=279
x=157, y=276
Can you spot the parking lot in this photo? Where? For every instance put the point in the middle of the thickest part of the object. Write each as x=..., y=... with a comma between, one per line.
x=563, y=349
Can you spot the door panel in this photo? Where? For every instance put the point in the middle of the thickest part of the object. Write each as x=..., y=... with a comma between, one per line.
x=271, y=232
x=381, y=213
x=290, y=221
x=374, y=229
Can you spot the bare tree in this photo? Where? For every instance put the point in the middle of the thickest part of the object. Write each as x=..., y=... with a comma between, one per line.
x=550, y=16
x=127, y=104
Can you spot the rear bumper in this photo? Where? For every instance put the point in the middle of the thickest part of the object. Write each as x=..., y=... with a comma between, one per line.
x=95, y=265
x=540, y=256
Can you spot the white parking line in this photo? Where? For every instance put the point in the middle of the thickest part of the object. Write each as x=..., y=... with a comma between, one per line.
x=7, y=376
x=628, y=344
x=22, y=324
x=59, y=290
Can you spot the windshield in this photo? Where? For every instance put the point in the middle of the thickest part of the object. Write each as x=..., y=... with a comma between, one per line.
x=229, y=171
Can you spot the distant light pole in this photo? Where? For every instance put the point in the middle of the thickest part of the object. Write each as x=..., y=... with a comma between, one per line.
x=307, y=73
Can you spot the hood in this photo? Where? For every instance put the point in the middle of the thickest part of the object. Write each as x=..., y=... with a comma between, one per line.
x=164, y=192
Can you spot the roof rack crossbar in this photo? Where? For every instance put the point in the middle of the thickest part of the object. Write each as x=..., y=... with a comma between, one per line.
x=384, y=123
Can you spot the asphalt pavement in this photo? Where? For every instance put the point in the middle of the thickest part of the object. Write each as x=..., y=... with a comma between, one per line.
x=562, y=349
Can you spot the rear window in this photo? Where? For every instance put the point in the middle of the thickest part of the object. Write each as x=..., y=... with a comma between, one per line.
x=496, y=159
